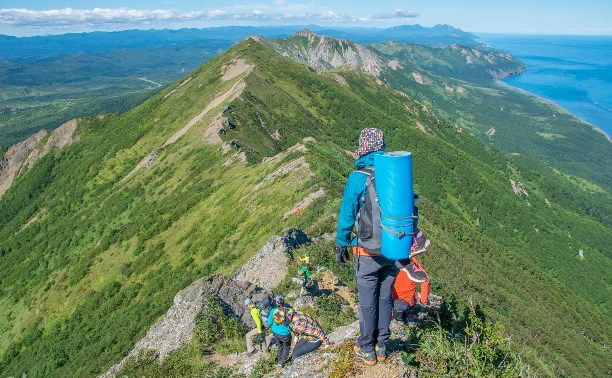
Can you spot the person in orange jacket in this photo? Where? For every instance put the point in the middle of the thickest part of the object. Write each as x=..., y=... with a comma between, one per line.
x=404, y=292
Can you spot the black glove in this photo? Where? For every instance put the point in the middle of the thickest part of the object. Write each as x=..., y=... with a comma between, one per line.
x=341, y=255
x=260, y=338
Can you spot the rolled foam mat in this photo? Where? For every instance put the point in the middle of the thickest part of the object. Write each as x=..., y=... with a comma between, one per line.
x=393, y=174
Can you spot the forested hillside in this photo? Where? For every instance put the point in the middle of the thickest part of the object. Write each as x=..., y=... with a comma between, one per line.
x=100, y=236
x=562, y=157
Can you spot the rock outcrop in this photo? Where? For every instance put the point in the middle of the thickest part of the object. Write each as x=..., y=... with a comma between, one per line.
x=518, y=188
x=24, y=154
x=324, y=53
x=176, y=327
x=14, y=158
x=269, y=266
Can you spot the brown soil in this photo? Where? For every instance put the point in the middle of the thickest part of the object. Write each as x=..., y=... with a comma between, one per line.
x=235, y=68
x=329, y=282
x=231, y=94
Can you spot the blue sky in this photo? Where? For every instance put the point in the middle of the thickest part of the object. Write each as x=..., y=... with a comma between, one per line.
x=38, y=17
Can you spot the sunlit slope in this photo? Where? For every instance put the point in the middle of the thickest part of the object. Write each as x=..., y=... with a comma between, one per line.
x=110, y=244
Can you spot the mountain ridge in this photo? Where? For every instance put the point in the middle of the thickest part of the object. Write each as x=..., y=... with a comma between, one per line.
x=117, y=251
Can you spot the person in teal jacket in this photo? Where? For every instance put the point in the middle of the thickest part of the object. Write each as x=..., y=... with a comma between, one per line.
x=282, y=334
x=375, y=274
x=353, y=200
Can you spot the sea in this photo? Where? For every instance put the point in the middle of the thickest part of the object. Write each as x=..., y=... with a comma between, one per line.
x=574, y=72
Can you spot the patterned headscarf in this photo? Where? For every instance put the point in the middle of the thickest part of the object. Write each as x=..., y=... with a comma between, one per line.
x=370, y=140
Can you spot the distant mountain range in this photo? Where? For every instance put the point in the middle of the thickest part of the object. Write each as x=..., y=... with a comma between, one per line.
x=39, y=48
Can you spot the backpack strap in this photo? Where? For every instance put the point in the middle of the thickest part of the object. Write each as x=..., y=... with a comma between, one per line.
x=366, y=171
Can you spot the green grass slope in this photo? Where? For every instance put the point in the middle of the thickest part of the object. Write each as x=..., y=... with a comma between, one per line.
x=92, y=255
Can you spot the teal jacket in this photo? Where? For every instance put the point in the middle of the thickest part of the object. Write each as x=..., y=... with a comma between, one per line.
x=353, y=199
x=279, y=329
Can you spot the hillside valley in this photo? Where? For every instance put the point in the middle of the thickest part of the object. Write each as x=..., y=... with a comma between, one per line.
x=102, y=234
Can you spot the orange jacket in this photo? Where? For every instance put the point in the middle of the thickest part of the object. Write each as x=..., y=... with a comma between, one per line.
x=404, y=288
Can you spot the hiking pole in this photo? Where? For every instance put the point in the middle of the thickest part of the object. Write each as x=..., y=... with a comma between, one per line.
x=260, y=338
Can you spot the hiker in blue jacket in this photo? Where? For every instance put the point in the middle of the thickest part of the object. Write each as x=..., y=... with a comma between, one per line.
x=375, y=273
x=281, y=332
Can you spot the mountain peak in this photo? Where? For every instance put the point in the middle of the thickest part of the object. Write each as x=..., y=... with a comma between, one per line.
x=324, y=53
x=305, y=33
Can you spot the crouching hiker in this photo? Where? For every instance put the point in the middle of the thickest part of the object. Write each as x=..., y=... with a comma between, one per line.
x=405, y=293
x=307, y=332
x=258, y=331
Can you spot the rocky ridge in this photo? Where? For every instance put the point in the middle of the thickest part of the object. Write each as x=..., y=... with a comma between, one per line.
x=176, y=327
x=24, y=154
x=324, y=53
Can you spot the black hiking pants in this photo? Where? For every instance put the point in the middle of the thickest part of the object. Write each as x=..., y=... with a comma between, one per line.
x=284, y=345
x=375, y=278
x=303, y=346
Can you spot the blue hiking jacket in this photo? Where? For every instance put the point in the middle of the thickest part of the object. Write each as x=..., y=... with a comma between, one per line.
x=279, y=329
x=353, y=199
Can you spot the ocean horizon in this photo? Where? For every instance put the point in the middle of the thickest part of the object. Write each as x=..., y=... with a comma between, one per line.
x=573, y=72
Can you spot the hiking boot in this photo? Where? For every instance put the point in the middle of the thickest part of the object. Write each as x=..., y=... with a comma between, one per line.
x=415, y=273
x=419, y=244
x=368, y=358
x=381, y=353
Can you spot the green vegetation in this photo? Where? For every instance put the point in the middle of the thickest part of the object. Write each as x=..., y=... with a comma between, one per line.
x=184, y=362
x=463, y=345
x=219, y=332
x=83, y=283
x=264, y=366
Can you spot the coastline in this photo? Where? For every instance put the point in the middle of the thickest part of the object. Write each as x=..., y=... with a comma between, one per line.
x=555, y=105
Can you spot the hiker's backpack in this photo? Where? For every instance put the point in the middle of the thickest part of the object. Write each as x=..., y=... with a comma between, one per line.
x=369, y=230
x=264, y=304
x=368, y=222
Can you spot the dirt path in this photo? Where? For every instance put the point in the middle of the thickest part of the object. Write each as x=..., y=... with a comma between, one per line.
x=230, y=95
x=235, y=68
x=329, y=281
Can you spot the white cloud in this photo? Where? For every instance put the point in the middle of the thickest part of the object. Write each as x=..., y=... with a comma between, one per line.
x=104, y=17
x=396, y=13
